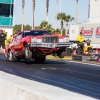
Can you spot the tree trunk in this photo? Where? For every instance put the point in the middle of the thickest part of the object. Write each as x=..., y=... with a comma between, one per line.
x=33, y=7
x=61, y=26
x=66, y=29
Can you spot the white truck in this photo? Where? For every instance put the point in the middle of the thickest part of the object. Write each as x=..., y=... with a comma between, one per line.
x=90, y=31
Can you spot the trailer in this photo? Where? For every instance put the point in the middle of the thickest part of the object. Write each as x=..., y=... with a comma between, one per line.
x=90, y=31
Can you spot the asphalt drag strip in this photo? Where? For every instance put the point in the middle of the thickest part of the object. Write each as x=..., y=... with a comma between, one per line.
x=77, y=77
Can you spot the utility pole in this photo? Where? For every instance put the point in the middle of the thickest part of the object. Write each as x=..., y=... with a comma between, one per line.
x=33, y=9
x=89, y=10
x=47, y=7
x=61, y=20
x=76, y=11
x=56, y=13
x=23, y=4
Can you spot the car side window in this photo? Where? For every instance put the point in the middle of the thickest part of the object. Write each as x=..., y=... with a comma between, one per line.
x=23, y=34
x=19, y=36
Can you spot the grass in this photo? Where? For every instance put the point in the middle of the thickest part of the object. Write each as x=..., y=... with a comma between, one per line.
x=57, y=58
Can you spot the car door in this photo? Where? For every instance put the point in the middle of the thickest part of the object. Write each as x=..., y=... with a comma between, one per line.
x=18, y=43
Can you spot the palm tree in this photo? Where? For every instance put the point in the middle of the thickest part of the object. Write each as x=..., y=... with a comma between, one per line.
x=68, y=19
x=45, y=25
x=33, y=9
x=23, y=4
x=61, y=17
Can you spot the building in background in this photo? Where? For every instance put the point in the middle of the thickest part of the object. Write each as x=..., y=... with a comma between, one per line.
x=7, y=16
x=94, y=11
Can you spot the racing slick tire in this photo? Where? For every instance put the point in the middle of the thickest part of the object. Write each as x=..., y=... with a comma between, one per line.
x=28, y=53
x=40, y=59
x=12, y=57
x=61, y=55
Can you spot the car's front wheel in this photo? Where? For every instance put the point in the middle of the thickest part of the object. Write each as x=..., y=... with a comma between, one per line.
x=12, y=57
x=28, y=53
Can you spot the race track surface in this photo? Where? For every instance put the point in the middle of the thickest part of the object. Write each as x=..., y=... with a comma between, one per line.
x=77, y=77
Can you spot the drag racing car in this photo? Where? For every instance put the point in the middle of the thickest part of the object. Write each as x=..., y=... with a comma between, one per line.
x=36, y=44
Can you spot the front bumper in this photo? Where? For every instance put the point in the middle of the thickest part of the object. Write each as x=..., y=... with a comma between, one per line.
x=50, y=45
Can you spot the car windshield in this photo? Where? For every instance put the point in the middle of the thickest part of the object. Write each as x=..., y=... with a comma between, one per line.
x=36, y=33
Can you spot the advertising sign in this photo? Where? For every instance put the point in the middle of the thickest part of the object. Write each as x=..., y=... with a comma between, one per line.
x=87, y=33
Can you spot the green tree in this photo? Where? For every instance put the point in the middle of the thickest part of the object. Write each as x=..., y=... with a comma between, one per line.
x=16, y=29
x=61, y=17
x=37, y=27
x=27, y=27
x=68, y=19
x=64, y=18
x=46, y=26
x=43, y=25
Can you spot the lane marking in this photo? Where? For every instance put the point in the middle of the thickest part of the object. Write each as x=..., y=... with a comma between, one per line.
x=84, y=63
x=68, y=61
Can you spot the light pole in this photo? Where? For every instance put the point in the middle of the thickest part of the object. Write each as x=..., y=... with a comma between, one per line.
x=60, y=6
x=33, y=9
x=56, y=13
x=23, y=4
x=76, y=11
x=61, y=20
x=89, y=10
x=47, y=7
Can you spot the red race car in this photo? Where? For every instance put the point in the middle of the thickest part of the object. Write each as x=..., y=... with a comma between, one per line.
x=36, y=44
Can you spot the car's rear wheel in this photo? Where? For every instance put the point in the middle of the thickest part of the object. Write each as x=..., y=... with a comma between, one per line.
x=40, y=59
x=28, y=53
x=61, y=55
x=12, y=57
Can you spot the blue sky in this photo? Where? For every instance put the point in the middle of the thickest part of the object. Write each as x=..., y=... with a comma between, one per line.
x=67, y=6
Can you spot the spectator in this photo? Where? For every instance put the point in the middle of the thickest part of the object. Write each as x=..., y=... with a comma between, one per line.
x=10, y=38
x=81, y=40
x=2, y=39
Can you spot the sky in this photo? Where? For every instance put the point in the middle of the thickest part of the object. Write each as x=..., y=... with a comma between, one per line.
x=67, y=6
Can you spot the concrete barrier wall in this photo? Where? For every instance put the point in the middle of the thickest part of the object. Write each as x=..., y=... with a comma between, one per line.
x=13, y=87
x=10, y=91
